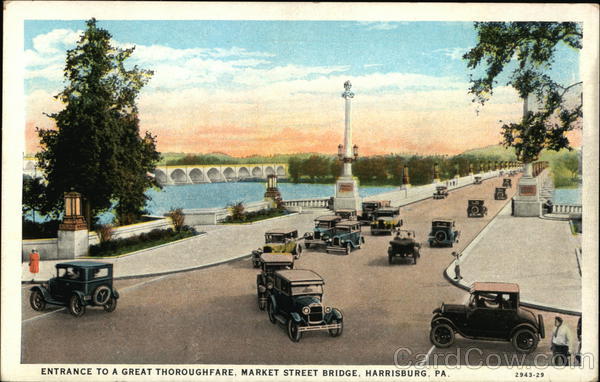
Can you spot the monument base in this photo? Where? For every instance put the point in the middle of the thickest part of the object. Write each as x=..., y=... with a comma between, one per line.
x=526, y=203
x=346, y=195
x=72, y=244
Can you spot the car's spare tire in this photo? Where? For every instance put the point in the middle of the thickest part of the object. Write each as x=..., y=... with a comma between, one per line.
x=101, y=295
x=474, y=210
x=440, y=236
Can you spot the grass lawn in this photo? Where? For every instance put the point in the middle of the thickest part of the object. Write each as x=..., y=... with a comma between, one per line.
x=251, y=217
x=117, y=250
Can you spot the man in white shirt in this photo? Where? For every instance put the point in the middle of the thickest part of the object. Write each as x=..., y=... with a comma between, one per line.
x=457, y=275
x=561, y=338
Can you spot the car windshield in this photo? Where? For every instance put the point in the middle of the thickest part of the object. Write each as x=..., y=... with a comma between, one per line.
x=311, y=289
x=322, y=224
x=342, y=229
x=369, y=206
x=275, y=239
x=384, y=213
x=70, y=273
x=441, y=224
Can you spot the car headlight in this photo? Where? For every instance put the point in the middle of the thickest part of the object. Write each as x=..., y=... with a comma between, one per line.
x=306, y=310
x=328, y=309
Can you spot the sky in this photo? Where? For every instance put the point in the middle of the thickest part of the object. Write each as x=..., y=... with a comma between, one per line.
x=274, y=87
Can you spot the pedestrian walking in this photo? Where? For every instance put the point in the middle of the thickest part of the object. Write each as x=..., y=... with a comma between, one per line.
x=457, y=275
x=34, y=263
x=561, y=338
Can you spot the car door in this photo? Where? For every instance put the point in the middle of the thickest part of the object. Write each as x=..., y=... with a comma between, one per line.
x=63, y=286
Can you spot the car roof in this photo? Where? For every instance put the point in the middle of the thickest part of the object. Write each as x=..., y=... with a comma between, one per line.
x=344, y=223
x=328, y=218
x=500, y=188
x=281, y=231
x=475, y=200
x=83, y=264
x=442, y=220
x=494, y=287
x=300, y=276
x=388, y=209
x=277, y=257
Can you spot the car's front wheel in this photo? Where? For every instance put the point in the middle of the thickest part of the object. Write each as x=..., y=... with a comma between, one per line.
x=294, y=331
x=76, y=308
x=36, y=300
x=271, y=312
x=339, y=330
x=111, y=305
x=442, y=335
x=524, y=341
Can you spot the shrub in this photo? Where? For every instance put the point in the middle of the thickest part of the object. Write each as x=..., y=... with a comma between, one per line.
x=178, y=218
x=105, y=232
x=238, y=211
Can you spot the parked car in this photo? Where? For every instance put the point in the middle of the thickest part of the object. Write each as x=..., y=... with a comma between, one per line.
x=403, y=246
x=493, y=313
x=296, y=301
x=323, y=230
x=386, y=220
x=368, y=208
x=77, y=284
x=441, y=192
x=347, y=214
x=512, y=173
x=443, y=233
x=500, y=193
x=270, y=263
x=346, y=236
x=477, y=180
x=507, y=182
x=278, y=241
x=476, y=208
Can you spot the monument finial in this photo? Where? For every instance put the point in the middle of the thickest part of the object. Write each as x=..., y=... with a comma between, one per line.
x=347, y=93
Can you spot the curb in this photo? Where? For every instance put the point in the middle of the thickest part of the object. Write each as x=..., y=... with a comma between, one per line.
x=260, y=221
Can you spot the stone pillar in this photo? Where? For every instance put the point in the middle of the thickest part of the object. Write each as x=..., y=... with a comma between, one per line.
x=73, y=240
x=272, y=195
x=436, y=173
x=471, y=172
x=346, y=187
x=405, y=177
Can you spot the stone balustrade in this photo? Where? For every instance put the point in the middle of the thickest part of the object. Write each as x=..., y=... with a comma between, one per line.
x=570, y=209
x=307, y=203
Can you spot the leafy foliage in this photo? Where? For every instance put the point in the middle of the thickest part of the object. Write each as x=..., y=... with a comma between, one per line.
x=178, y=218
x=96, y=148
x=533, y=45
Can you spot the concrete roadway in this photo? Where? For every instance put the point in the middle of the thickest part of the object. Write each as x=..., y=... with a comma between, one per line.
x=210, y=316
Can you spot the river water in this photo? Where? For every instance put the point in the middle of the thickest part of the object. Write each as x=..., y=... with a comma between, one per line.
x=567, y=196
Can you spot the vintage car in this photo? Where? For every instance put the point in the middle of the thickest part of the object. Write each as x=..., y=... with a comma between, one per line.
x=477, y=180
x=386, y=220
x=296, y=301
x=512, y=173
x=346, y=236
x=269, y=264
x=493, y=313
x=443, y=233
x=476, y=209
x=441, y=192
x=278, y=241
x=322, y=231
x=507, y=182
x=77, y=284
x=403, y=246
x=346, y=214
x=500, y=193
x=368, y=208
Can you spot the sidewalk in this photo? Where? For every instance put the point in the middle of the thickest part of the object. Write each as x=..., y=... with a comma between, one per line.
x=220, y=244
x=535, y=253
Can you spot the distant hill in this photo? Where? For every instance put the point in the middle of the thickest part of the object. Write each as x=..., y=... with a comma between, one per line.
x=499, y=151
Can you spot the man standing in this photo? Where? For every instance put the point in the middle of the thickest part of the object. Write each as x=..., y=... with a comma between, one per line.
x=457, y=275
x=561, y=338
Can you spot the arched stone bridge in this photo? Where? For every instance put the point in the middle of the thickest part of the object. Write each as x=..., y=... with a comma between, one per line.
x=221, y=173
x=197, y=173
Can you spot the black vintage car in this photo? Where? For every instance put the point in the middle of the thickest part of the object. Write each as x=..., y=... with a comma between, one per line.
x=493, y=313
x=295, y=300
x=500, y=193
x=404, y=246
x=475, y=208
x=443, y=233
x=323, y=230
x=477, y=180
x=347, y=214
x=369, y=208
x=77, y=284
x=507, y=182
x=345, y=237
x=269, y=264
x=441, y=192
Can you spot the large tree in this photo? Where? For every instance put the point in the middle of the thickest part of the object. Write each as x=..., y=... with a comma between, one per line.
x=96, y=148
x=528, y=50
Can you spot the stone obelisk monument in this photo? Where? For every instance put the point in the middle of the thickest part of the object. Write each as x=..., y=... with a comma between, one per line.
x=346, y=187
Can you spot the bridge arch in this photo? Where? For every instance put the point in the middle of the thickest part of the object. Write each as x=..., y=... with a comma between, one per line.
x=214, y=175
x=257, y=172
x=243, y=173
x=196, y=175
x=161, y=177
x=269, y=171
x=179, y=176
x=229, y=174
x=280, y=171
